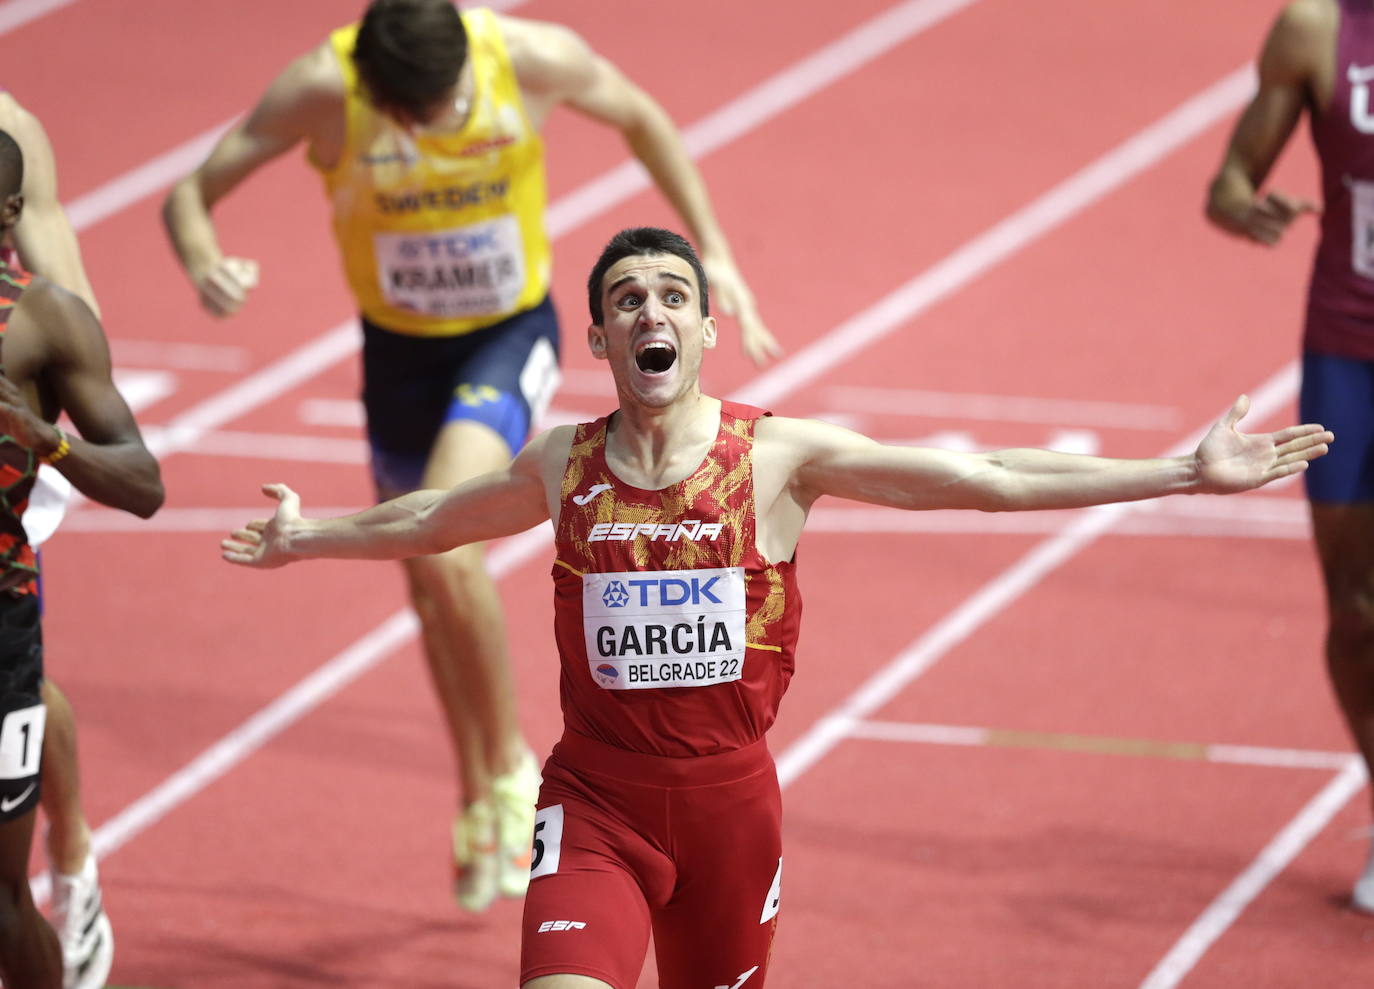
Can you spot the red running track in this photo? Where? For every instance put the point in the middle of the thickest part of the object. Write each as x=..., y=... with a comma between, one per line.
x=1034, y=799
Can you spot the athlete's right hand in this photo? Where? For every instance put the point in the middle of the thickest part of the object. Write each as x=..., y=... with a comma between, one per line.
x=224, y=287
x=263, y=543
x=1270, y=214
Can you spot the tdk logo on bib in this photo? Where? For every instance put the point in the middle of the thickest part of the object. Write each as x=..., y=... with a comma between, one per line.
x=666, y=628
x=664, y=590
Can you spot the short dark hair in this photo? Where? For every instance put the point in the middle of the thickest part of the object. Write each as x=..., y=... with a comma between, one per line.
x=636, y=241
x=409, y=52
x=11, y=165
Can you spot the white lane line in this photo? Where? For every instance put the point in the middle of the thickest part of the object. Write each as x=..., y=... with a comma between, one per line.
x=258, y=389
x=141, y=388
x=1013, y=234
x=222, y=520
x=968, y=735
x=1000, y=408
x=16, y=13
x=273, y=446
x=1272, y=860
x=1250, y=516
x=770, y=98
x=138, y=183
x=242, y=397
x=987, y=603
x=180, y=356
x=342, y=412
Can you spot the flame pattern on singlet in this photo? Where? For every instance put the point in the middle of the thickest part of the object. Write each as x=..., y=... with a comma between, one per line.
x=674, y=721
x=18, y=465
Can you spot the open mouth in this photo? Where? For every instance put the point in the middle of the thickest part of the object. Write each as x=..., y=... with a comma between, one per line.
x=656, y=356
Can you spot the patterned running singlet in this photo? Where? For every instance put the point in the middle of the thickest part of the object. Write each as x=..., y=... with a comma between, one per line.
x=677, y=638
x=18, y=465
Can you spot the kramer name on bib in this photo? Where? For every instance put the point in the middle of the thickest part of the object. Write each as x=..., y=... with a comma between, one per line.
x=664, y=628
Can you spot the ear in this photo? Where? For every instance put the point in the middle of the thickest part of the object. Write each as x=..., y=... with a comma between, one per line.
x=596, y=341
x=10, y=209
x=708, y=332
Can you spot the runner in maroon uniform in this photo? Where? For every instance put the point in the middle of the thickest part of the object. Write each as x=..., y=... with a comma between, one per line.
x=1320, y=56
x=53, y=358
x=677, y=520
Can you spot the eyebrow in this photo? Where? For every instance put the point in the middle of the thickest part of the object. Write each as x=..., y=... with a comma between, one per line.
x=629, y=278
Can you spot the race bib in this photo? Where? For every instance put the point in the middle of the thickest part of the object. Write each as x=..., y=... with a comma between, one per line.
x=664, y=628
x=1362, y=222
x=477, y=270
x=21, y=742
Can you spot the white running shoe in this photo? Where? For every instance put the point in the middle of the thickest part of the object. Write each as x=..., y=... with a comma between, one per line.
x=474, y=857
x=1362, y=898
x=515, y=795
x=82, y=927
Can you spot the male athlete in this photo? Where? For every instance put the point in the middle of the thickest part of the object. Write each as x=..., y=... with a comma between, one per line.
x=676, y=614
x=53, y=359
x=424, y=126
x=44, y=243
x=1319, y=56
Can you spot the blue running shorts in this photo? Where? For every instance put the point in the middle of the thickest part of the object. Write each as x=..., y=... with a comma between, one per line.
x=1338, y=392
x=502, y=376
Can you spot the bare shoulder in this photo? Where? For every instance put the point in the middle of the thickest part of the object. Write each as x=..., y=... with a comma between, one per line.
x=22, y=125
x=542, y=53
x=49, y=301
x=1302, y=40
x=12, y=113
x=51, y=325
x=1309, y=15
x=547, y=453
x=802, y=438
x=313, y=79
x=783, y=447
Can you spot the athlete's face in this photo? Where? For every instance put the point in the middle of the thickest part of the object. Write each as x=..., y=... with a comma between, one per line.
x=653, y=333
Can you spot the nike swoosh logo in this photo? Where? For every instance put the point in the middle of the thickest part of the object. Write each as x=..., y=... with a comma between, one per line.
x=595, y=490
x=8, y=804
x=743, y=978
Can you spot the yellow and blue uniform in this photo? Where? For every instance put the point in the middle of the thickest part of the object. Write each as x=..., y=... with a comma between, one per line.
x=443, y=244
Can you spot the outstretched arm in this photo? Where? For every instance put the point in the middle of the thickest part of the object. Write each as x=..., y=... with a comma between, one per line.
x=501, y=503
x=555, y=65
x=838, y=462
x=1300, y=40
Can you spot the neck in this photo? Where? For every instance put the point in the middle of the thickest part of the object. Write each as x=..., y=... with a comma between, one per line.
x=662, y=446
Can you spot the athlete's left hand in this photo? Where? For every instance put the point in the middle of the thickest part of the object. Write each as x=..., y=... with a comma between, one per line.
x=731, y=295
x=1228, y=460
x=21, y=423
